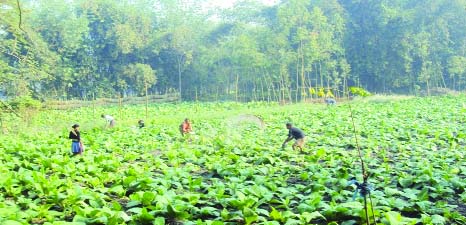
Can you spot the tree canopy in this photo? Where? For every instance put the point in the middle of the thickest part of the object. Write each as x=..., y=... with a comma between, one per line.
x=293, y=50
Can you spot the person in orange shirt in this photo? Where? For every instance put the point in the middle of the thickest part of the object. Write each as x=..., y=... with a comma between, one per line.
x=185, y=127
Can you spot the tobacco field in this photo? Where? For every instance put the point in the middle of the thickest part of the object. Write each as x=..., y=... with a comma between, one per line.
x=233, y=171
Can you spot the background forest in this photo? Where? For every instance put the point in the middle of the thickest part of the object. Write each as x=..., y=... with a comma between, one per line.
x=292, y=50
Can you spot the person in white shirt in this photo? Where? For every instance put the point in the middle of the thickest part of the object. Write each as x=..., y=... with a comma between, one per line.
x=110, y=120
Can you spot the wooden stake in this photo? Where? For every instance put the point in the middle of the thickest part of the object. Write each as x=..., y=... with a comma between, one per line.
x=237, y=80
x=119, y=105
x=147, y=101
x=93, y=104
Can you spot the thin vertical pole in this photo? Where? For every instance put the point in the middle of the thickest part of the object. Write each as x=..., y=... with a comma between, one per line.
x=147, y=102
x=119, y=105
x=93, y=104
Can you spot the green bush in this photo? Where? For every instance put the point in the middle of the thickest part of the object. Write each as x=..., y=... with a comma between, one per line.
x=23, y=102
x=359, y=91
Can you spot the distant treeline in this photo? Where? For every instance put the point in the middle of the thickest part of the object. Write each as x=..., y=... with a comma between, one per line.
x=296, y=49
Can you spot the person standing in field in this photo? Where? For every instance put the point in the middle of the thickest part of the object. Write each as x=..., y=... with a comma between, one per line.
x=76, y=144
x=110, y=120
x=297, y=134
x=185, y=127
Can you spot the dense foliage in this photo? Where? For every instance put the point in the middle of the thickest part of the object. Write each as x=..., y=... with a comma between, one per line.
x=232, y=172
x=292, y=50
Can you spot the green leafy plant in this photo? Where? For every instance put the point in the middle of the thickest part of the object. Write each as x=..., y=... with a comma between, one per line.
x=148, y=176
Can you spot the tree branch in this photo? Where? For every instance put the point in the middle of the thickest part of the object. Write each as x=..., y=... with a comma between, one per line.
x=20, y=15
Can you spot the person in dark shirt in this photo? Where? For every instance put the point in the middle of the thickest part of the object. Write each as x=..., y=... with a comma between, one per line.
x=297, y=134
x=141, y=123
x=75, y=136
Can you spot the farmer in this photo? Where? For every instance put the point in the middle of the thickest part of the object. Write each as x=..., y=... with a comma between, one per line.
x=76, y=144
x=330, y=101
x=110, y=120
x=297, y=134
x=185, y=127
x=141, y=123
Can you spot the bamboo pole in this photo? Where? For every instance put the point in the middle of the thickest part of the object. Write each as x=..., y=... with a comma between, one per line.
x=93, y=104
x=303, y=78
x=120, y=105
x=147, y=101
x=236, y=93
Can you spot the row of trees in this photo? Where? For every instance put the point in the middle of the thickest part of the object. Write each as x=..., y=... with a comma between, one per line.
x=293, y=50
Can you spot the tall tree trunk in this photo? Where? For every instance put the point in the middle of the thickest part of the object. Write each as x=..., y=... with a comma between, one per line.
x=317, y=80
x=310, y=84
x=321, y=76
x=262, y=87
x=227, y=89
x=120, y=105
x=428, y=87
x=443, y=81
x=93, y=104
x=281, y=90
x=180, y=58
x=303, y=80
x=297, y=78
x=236, y=92
x=345, y=87
x=328, y=84
x=147, y=101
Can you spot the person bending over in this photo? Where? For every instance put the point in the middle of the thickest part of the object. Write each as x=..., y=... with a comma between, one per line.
x=330, y=101
x=110, y=120
x=297, y=134
x=141, y=123
x=185, y=127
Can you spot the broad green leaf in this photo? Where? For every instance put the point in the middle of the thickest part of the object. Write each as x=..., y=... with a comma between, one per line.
x=292, y=222
x=11, y=222
x=145, y=216
x=249, y=215
x=209, y=211
x=80, y=219
x=124, y=216
x=307, y=217
x=349, y=222
x=159, y=221
x=271, y=223
x=406, y=182
x=394, y=218
x=119, y=190
x=135, y=210
x=131, y=204
x=276, y=215
x=102, y=219
x=438, y=220
x=320, y=153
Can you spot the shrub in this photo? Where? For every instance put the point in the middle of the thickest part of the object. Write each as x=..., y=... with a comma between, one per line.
x=23, y=102
x=359, y=91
